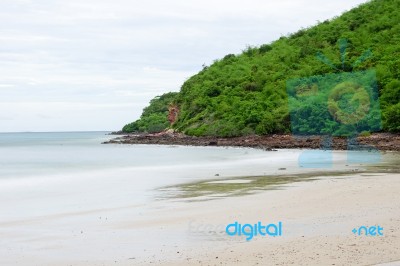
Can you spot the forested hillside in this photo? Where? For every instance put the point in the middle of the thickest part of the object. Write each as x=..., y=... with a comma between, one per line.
x=247, y=93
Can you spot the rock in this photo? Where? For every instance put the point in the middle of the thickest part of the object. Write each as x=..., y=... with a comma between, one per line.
x=173, y=112
x=267, y=142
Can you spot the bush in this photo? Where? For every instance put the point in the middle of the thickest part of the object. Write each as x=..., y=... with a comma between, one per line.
x=392, y=118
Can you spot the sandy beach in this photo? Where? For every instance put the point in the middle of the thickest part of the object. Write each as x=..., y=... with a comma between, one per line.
x=318, y=218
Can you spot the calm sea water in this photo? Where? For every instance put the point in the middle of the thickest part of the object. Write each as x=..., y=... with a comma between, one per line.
x=40, y=155
x=69, y=172
x=30, y=159
x=66, y=172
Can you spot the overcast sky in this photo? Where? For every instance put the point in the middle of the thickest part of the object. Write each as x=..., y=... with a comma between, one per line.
x=94, y=64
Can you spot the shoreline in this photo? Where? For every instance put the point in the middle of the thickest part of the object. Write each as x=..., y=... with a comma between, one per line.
x=317, y=220
x=380, y=141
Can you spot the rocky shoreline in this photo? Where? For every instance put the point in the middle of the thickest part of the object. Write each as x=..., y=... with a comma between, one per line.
x=381, y=141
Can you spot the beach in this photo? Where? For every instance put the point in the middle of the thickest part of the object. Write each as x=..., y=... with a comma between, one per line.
x=65, y=199
x=318, y=219
x=317, y=216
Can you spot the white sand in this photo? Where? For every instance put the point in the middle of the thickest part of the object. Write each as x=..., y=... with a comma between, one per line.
x=317, y=218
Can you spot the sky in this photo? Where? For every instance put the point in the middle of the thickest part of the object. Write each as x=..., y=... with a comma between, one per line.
x=87, y=65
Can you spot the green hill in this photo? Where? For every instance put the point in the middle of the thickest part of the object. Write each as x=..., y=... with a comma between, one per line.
x=247, y=93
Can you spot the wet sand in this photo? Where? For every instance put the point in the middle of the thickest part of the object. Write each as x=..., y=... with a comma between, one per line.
x=318, y=218
x=48, y=223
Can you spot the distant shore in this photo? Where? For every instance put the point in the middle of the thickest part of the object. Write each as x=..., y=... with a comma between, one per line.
x=380, y=141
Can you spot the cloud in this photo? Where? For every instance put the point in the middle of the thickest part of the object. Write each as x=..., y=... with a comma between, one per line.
x=104, y=53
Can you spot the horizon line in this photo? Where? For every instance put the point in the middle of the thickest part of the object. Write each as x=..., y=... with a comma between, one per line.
x=68, y=131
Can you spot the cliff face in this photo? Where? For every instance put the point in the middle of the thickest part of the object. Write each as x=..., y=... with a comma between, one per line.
x=173, y=112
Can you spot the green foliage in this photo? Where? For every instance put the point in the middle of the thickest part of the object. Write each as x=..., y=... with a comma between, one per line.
x=392, y=115
x=154, y=117
x=246, y=93
x=341, y=104
x=391, y=93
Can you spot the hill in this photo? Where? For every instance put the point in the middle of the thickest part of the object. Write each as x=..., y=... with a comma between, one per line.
x=248, y=93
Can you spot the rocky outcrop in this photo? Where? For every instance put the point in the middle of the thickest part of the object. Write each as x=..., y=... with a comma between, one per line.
x=173, y=112
x=381, y=141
